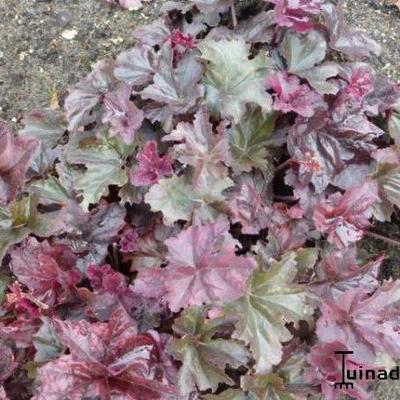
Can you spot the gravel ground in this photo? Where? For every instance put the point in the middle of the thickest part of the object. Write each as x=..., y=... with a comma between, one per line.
x=382, y=22
x=38, y=62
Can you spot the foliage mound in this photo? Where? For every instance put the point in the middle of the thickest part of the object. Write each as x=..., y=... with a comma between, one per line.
x=187, y=226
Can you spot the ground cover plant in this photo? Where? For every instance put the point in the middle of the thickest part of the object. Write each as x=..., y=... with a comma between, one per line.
x=186, y=227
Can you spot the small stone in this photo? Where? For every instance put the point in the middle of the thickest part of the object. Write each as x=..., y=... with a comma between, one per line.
x=63, y=18
x=69, y=34
x=117, y=40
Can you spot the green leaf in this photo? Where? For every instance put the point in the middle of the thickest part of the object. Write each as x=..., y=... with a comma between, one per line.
x=272, y=300
x=390, y=183
x=319, y=77
x=394, y=126
x=388, y=178
x=46, y=343
x=103, y=168
x=173, y=197
x=130, y=194
x=31, y=368
x=266, y=387
x=23, y=218
x=117, y=144
x=249, y=141
x=293, y=367
x=47, y=125
x=306, y=259
x=303, y=52
x=232, y=80
x=209, y=189
x=204, y=357
x=60, y=191
x=177, y=199
x=230, y=394
x=51, y=190
x=4, y=282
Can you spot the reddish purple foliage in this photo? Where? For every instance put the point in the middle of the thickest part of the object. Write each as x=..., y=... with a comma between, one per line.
x=15, y=156
x=343, y=218
x=151, y=166
x=105, y=360
x=326, y=369
x=202, y=267
x=291, y=95
x=198, y=204
x=122, y=114
x=296, y=14
x=104, y=279
x=287, y=226
x=179, y=39
x=47, y=270
x=129, y=241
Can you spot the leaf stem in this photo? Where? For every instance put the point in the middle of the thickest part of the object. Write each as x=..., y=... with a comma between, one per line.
x=284, y=165
x=35, y=301
x=233, y=13
x=115, y=255
x=385, y=239
x=286, y=198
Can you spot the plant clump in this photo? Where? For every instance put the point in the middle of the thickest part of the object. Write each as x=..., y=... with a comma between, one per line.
x=186, y=227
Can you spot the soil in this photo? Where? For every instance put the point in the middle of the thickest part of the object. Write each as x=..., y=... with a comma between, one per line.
x=382, y=22
x=39, y=60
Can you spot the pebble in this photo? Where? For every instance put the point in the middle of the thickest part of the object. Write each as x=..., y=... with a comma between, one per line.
x=63, y=18
x=69, y=34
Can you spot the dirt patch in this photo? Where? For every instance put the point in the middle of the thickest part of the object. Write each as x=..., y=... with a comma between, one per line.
x=382, y=22
x=36, y=58
x=37, y=61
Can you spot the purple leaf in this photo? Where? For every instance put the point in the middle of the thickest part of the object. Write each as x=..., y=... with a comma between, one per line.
x=105, y=360
x=122, y=114
x=368, y=323
x=47, y=270
x=291, y=95
x=135, y=66
x=175, y=89
x=15, y=156
x=203, y=267
x=151, y=166
x=287, y=226
x=7, y=363
x=200, y=147
x=87, y=94
x=343, y=218
x=296, y=14
x=129, y=241
x=323, y=148
x=248, y=208
x=326, y=368
x=154, y=34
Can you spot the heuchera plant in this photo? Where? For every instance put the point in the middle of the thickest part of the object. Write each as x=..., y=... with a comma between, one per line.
x=187, y=226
